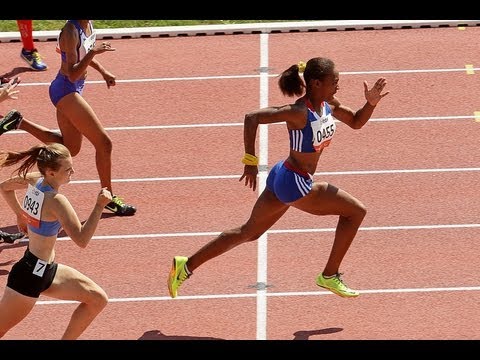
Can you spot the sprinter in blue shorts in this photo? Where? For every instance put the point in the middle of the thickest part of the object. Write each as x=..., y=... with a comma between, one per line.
x=78, y=49
x=311, y=127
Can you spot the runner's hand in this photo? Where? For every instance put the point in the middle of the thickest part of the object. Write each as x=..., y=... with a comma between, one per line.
x=250, y=174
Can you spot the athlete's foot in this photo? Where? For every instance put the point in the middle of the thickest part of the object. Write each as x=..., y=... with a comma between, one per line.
x=10, y=238
x=178, y=274
x=336, y=285
x=11, y=121
x=118, y=207
x=33, y=59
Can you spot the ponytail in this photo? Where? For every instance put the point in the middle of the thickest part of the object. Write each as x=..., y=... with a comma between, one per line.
x=290, y=82
x=44, y=156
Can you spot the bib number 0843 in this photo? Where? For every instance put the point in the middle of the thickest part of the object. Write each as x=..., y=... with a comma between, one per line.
x=30, y=205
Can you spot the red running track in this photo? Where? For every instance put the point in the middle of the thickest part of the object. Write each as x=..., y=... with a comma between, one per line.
x=176, y=117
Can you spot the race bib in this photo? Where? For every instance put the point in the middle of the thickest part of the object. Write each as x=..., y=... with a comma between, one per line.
x=39, y=268
x=323, y=129
x=32, y=205
x=89, y=43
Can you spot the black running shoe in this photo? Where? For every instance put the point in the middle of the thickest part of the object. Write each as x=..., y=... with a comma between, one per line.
x=118, y=207
x=11, y=121
x=10, y=238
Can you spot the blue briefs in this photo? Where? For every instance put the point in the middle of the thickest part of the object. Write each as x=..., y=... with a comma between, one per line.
x=61, y=86
x=287, y=183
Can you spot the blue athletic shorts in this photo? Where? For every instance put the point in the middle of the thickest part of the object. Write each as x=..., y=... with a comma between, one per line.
x=288, y=184
x=61, y=86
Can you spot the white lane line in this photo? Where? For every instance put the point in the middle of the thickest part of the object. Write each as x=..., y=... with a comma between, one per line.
x=322, y=173
x=270, y=294
x=253, y=76
x=238, y=124
x=278, y=231
x=262, y=179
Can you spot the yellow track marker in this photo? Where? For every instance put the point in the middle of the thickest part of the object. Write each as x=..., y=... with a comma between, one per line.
x=477, y=116
x=470, y=70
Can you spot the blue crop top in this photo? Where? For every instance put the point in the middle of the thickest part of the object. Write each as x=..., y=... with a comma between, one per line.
x=47, y=228
x=318, y=130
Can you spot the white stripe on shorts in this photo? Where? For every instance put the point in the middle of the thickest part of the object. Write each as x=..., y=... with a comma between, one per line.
x=302, y=185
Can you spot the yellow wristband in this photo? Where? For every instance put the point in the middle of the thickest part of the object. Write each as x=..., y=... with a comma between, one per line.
x=251, y=160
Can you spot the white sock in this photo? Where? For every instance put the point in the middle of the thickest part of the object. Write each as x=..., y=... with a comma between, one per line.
x=187, y=271
x=329, y=276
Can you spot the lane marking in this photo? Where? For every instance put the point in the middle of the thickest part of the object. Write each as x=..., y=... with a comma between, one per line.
x=236, y=124
x=262, y=179
x=322, y=173
x=277, y=231
x=270, y=294
x=470, y=69
x=253, y=76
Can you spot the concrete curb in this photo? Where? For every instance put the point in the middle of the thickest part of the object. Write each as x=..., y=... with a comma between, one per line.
x=257, y=28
